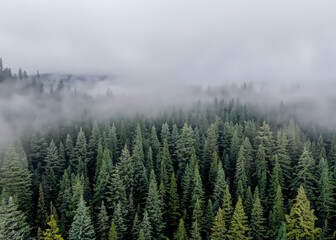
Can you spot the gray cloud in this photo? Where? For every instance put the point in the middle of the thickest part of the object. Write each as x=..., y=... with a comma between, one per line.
x=169, y=52
x=206, y=42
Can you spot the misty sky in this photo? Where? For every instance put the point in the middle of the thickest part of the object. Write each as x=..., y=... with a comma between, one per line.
x=203, y=42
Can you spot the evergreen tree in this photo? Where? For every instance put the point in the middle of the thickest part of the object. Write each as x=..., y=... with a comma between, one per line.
x=184, y=145
x=282, y=233
x=220, y=186
x=213, y=170
x=146, y=227
x=120, y=221
x=80, y=150
x=265, y=137
x=227, y=207
x=210, y=153
x=257, y=225
x=15, y=180
x=240, y=175
x=248, y=202
x=12, y=221
x=305, y=175
x=100, y=187
x=284, y=159
x=42, y=214
x=103, y=225
x=198, y=192
x=275, y=180
x=181, y=233
x=261, y=163
x=52, y=161
x=173, y=206
x=325, y=201
x=208, y=219
x=38, y=150
x=277, y=213
x=154, y=208
x=219, y=229
x=141, y=235
x=301, y=220
x=136, y=226
x=113, y=232
x=239, y=226
x=81, y=227
x=197, y=220
x=52, y=232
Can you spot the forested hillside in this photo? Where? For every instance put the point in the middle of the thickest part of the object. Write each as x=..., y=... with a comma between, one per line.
x=218, y=171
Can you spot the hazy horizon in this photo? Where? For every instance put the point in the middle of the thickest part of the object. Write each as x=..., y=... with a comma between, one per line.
x=156, y=42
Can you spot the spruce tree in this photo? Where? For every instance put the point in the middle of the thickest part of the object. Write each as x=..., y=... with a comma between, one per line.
x=197, y=220
x=52, y=161
x=325, y=200
x=227, y=207
x=240, y=175
x=13, y=223
x=184, y=145
x=301, y=220
x=15, y=180
x=81, y=227
x=277, y=213
x=100, y=187
x=213, y=170
x=80, y=151
x=120, y=220
x=154, y=208
x=305, y=174
x=41, y=214
x=282, y=233
x=146, y=228
x=103, y=223
x=113, y=232
x=52, y=232
x=257, y=225
x=219, y=229
x=208, y=219
x=239, y=227
x=284, y=159
x=181, y=233
x=265, y=137
x=173, y=206
x=219, y=188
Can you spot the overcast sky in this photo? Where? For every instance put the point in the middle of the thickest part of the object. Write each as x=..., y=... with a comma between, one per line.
x=189, y=41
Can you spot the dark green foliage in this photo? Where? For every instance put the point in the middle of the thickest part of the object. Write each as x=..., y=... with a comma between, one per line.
x=15, y=180
x=282, y=233
x=181, y=233
x=284, y=159
x=146, y=228
x=258, y=229
x=208, y=218
x=325, y=200
x=304, y=174
x=41, y=214
x=120, y=220
x=130, y=166
x=277, y=213
x=103, y=223
x=184, y=145
x=81, y=227
x=220, y=186
x=173, y=206
x=154, y=208
x=12, y=221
